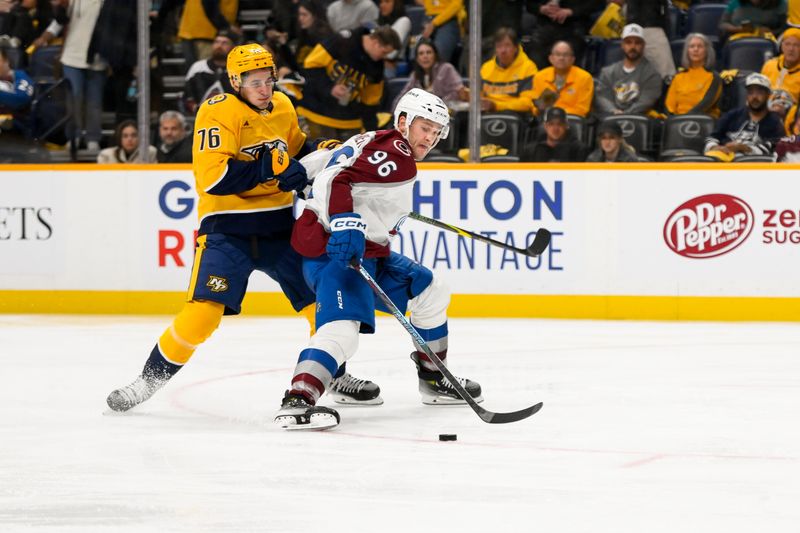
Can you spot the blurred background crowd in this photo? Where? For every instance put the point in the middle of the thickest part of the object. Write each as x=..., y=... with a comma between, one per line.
x=560, y=80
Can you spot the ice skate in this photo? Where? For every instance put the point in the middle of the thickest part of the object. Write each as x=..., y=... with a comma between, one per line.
x=349, y=390
x=297, y=413
x=437, y=389
x=130, y=396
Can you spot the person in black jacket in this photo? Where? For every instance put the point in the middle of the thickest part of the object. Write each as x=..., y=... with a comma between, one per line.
x=344, y=82
x=750, y=130
x=561, y=20
x=557, y=144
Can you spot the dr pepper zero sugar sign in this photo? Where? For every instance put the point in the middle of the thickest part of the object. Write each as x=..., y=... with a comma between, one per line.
x=708, y=226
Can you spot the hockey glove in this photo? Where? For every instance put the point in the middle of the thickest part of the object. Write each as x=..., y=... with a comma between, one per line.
x=348, y=238
x=291, y=175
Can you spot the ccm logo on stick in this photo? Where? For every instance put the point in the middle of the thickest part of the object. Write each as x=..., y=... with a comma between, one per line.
x=708, y=226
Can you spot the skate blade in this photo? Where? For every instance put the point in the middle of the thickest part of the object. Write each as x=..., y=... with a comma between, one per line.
x=317, y=421
x=347, y=400
x=446, y=400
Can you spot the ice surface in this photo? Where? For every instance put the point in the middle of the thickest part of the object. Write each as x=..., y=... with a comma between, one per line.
x=646, y=427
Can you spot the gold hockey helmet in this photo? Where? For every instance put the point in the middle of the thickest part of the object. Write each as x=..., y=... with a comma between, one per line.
x=245, y=58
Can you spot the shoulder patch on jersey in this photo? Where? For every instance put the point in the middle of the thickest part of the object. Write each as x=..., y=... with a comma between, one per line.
x=402, y=147
x=217, y=99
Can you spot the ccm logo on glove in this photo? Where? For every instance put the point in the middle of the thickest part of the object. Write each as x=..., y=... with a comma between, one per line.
x=340, y=224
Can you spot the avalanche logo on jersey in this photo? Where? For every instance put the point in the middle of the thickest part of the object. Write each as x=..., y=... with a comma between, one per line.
x=217, y=284
x=257, y=150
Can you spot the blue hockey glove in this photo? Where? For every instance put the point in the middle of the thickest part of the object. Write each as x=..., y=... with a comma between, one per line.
x=348, y=238
x=291, y=175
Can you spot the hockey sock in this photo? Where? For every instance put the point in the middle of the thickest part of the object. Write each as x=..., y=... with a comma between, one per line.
x=333, y=343
x=436, y=338
x=193, y=325
x=158, y=368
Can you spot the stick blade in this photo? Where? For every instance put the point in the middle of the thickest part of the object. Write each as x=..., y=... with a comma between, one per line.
x=540, y=242
x=505, y=418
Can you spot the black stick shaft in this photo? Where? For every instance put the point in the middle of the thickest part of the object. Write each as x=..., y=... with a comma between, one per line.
x=535, y=249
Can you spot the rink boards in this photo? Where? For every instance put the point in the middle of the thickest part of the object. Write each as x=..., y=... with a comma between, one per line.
x=642, y=241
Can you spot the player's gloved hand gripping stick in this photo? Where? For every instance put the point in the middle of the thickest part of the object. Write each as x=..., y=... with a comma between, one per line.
x=348, y=238
x=291, y=175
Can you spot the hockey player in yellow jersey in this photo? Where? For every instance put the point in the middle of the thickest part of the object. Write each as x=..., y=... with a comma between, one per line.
x=244, y=154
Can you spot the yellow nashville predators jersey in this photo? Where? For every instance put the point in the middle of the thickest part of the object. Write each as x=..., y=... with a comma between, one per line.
x=231, y=198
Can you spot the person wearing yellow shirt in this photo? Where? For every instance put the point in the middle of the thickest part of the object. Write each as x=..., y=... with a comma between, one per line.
x=696, y=88
x=507, y=78
x=200, y=22
x=442, y=25
x=246, y=176
x=563, y=84
x=793, y=14
x=784, y=71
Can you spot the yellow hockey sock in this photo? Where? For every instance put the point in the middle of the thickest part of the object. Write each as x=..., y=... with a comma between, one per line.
x=193, y=325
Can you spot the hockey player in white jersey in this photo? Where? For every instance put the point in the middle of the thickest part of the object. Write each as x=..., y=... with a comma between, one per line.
x=358, y=201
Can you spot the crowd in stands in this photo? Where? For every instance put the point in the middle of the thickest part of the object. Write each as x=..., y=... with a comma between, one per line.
x=561, y=80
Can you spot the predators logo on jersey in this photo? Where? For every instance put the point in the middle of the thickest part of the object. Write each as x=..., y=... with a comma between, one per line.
x=227, y=128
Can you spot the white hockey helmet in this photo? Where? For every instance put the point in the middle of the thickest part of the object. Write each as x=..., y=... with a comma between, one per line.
x=418, y=103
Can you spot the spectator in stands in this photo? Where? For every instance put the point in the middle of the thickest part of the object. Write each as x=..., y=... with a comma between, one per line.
x=283, y=23
x=200, y=22
x=556, y=143
x=631, y=85
x=793, y=13
x=788, y=148
x=751, y=130
x=564, y=20
x=393, y=13
x=563, y=84
x=653, y=17
x=114, y=40
x=753, y=18
x=24, y=20
x=314, y=28
x=60, y=17
x=344, y=82
x=442, y=25
x=696, y=88
x=175, y=145
x=432, y=74
x=784, y=71
x=126, y=146
x=351, y=14
x=209, y=77
x=611, y=146
x=780, y=102
x=86, y=75
x=507, y=78
x=496, y=14
x=16, y=94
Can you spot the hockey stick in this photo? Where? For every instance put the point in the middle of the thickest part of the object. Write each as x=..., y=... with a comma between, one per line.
x=486, y=416
x=538, y=245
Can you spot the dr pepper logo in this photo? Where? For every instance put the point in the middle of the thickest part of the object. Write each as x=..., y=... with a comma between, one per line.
x=708, y=226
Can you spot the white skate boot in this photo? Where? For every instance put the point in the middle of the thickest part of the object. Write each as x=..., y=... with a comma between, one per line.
x=130, y=396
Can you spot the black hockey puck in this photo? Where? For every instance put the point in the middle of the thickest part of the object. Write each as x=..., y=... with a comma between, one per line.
x=447, y=436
